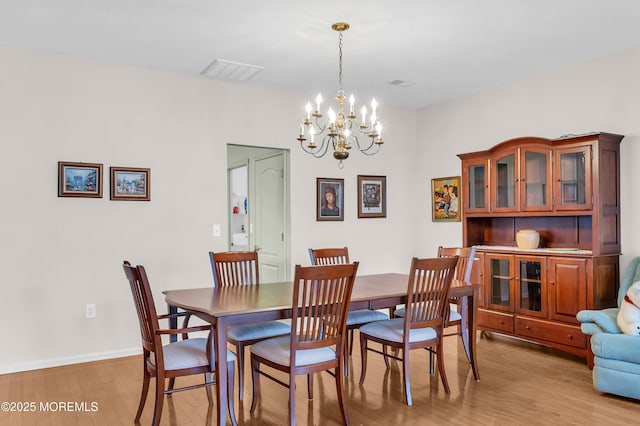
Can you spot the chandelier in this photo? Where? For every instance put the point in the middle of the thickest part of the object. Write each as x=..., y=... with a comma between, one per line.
x=342, y=130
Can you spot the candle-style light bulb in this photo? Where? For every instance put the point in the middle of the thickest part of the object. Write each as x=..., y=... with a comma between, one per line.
x=374, y=105
x=318, y=101
x=364, y=114
x=301, y=129
x=373, y=120
x=312, y=134
x=308, y=109
x=378, y=130
x=352, y=101
x=332, y=116
x=346, y=133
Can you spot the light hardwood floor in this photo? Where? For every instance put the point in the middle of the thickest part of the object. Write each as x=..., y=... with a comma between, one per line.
x=521, y=384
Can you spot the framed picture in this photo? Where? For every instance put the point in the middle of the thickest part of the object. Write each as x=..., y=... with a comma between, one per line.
x=132, y=184
x=79, y=180
x=446, y=205
x=329, y=199
x=372, y=196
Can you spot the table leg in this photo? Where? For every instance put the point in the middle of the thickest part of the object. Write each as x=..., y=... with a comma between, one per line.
x=220, y=346
x=471, y=332
x=173, y=322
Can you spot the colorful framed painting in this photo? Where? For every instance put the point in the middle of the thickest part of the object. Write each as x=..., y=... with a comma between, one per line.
x=79, y=179
x=446, y=205
x=329, y=199
x=130, y=184
x=372, y=196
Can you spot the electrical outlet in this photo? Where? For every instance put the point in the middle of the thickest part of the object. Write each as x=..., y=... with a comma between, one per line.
x=90, y=311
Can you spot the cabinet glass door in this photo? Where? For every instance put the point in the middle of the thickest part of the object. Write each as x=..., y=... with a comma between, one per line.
x=535, y=180
x=476, y=186
x=504, y=177
x=532, y=289
x=573, y=179
x=500, y=295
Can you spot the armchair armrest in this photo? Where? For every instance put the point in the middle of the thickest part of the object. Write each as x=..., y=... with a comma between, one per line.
x=602, y=321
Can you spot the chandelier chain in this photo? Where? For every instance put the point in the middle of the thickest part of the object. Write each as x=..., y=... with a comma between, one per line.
x=340, y=60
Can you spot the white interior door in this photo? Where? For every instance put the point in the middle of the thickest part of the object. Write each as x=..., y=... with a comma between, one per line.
x=271, y=218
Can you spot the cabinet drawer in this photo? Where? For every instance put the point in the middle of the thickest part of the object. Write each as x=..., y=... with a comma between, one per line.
x=545, y=330
x=495, y=320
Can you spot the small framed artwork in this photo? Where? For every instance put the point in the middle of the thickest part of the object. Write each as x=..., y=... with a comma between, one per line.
x=329, y=199
x=445, y=204
x=372, y=196
x=79, y=179
x=130, y=184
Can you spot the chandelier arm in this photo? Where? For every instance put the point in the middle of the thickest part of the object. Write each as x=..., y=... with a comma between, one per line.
x=318, y=152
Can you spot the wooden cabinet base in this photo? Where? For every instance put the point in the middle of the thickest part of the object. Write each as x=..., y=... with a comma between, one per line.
x=565, y=337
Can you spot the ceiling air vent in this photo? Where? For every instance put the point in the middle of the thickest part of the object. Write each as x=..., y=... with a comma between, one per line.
x=229, y=70
x=401, y=83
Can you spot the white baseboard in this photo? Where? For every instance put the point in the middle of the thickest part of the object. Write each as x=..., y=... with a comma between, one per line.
x=56, y=362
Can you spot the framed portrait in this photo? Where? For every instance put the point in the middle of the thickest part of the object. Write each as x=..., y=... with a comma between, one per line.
x=329, y=199
x=79, y=179
x=446, y=204
x=130, y=184
x=372, y=196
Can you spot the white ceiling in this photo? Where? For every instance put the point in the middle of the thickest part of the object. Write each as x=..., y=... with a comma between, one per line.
x=448, y=48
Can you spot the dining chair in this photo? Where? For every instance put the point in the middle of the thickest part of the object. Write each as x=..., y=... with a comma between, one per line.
x=355, y=319
x=320, y=302
x=241, y=268
x=464, y=267
x=181, y=358
x=422, y=326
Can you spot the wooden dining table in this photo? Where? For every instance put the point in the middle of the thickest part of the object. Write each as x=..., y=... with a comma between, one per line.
x=224, y=306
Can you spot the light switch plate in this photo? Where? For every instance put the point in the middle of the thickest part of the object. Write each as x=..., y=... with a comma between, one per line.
x=216, y=230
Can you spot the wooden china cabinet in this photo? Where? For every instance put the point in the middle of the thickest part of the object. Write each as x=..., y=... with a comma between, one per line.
x=567, y=189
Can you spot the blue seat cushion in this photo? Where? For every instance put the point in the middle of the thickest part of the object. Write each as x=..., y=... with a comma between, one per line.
x=616, y=347
x=278, y=350
x=188, y=353
x=364, y=316
x=393, y=331
x=260, y=330
x=453, y=314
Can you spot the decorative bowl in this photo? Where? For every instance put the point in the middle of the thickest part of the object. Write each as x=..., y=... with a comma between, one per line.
x=527, y=238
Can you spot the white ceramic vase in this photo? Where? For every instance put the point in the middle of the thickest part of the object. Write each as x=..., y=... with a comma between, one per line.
x=527, y=239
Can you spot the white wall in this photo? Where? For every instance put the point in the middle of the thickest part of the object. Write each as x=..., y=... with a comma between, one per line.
x=57, y=254
x=599, y=95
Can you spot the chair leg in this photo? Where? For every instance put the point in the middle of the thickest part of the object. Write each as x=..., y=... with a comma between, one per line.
x=345, y=353
x=443, y=373
x=232, y=411
x=363, y=357
x=431, y=367
x=386, y=359
x=240, y=358
x=310, y=385
x=292, y=399
x=351, y=341
x=143, y=395
x=340, y=390
x=255, y=381
x=157, y=408
x=172, y=382
x=207, y=379
x=405, y=376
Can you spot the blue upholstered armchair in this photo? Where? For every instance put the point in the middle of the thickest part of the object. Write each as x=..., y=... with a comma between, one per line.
x=616, y=367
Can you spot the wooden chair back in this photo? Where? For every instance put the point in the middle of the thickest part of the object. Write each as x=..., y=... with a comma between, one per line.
x=428, y=292
x=233, y=268
x=329, y=256
x=145, y=308
x=321, y=296
x=466, y=255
